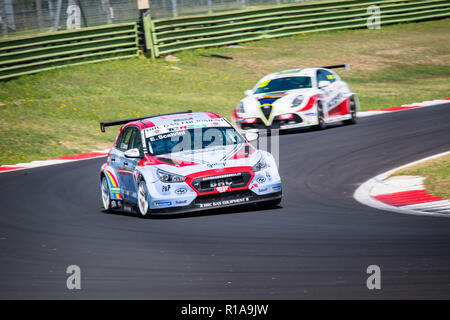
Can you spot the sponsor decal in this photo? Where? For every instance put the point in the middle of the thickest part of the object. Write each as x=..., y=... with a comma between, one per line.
x=216, y=164
x=181, y=191
x=181, y=119
x=222, y=189
x=165, y=188
x=167, y=135
x=115, y=190
x=224, y=202
x=220, y=182
x=261, y=179
x=263, y=189
x=275, y=188
x=310, y=114
x=162, y=203
x=183, y=125
x=194, y=126
x=181, y=202
x=236, y=174
x=335, y=100
x=264, y=83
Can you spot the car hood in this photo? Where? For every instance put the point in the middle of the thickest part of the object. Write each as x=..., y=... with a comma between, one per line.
x=187, y=162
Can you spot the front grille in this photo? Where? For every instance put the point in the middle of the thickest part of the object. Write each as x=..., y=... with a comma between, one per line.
x=234, y=180
x=266, y=110
x=223, y=196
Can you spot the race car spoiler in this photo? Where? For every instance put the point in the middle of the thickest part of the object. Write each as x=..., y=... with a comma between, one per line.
x=337, y=66
x=103, y=125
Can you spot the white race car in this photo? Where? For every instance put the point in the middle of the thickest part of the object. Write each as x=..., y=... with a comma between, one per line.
x=185, y=161
x=297, y=98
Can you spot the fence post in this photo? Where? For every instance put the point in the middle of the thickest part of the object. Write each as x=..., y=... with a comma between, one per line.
x=58, y=15
x=209, y=6
x=174, y=8
x=148, y=30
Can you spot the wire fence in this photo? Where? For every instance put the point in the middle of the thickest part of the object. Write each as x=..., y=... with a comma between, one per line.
x=174, y=8
x=21, y=16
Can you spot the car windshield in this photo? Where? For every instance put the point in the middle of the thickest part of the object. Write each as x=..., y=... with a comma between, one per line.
x=284, y=84
x=192, y=139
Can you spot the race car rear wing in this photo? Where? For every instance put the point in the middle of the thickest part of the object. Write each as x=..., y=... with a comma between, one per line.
x=103, y=125
x=337, y=66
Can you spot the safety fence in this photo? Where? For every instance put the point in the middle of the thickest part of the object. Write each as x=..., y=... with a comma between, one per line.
x=33, y=54
x=55, y=50
x=25, y=16
x=165, y=36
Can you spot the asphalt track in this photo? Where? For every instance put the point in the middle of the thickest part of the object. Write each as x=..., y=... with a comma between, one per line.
x=318, y=244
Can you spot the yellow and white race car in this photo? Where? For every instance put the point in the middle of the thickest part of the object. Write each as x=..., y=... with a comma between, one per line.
x=297, y=98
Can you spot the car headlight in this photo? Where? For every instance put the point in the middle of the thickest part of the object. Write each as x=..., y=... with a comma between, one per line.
x=297, y=101
x=169, y=177
x=260, y=165
x=240, y=107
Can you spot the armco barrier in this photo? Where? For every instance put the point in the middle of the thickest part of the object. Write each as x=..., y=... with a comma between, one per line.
x=45, y=52
x=165, y=36
x=59, y=49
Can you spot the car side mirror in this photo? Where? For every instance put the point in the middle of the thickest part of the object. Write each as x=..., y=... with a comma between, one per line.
x=251, y=136
x=248, y=92
x=133, y=153
x=324, y=83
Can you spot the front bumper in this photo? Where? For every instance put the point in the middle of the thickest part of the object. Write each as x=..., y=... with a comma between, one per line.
x=282, y=124
x=220, y=200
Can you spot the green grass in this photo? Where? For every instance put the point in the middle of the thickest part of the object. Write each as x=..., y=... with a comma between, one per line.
x=436, y=173
x=56, y=113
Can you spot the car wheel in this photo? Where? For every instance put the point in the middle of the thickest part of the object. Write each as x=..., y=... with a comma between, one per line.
x=320, y=117
x=352, y=112
x=143, y=203
x=268, y=204
x=106, y=195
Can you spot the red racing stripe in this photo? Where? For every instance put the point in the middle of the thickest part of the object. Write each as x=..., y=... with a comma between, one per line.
x=407, y=197
x=6, y=168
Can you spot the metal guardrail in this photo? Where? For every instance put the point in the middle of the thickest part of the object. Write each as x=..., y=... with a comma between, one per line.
x=88, y=45
x=164, y=36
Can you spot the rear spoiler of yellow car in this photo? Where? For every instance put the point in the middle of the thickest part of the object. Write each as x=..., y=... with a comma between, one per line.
x=337, y=66
x=103, y=125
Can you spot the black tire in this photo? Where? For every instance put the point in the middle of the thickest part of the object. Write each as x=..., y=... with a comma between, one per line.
x=269, y=204
x=143, y=200
x=353, y=119
x=320, y=118
x=105, y=194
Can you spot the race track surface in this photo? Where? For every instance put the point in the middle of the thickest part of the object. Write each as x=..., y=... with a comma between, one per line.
x=317, y=244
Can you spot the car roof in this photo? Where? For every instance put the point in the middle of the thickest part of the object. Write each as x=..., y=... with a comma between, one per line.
x=174, y=119
x=305, y=72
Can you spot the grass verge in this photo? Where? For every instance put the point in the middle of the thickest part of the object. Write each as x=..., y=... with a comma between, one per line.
x=56, y=113
x=436, y=172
